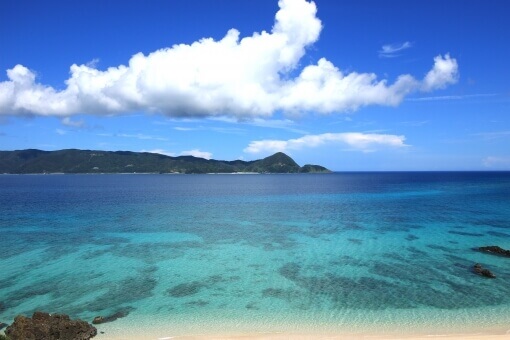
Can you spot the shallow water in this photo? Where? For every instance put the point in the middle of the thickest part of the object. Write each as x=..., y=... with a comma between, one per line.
x=213, y=253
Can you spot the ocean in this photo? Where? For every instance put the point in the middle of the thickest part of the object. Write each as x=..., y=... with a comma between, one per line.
x=350, y=253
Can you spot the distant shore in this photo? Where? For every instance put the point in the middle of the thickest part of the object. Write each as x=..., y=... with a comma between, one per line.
x=96, y=161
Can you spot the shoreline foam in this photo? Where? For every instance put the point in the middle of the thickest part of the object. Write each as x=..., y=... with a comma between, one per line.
x=165, y=331
x=496, y=335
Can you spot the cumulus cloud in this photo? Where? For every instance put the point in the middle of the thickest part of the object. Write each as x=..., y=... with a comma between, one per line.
x=197, y=153
x=365, y=142
x=391, y=50
x=244, y=78
x=444, y=73
x=324, y=88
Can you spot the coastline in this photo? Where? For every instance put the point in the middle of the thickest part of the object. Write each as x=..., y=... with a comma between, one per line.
x=493, y=335
x=487, y=323
x=401, y=330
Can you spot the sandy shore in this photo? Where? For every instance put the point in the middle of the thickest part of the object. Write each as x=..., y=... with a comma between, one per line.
x=322, y=337
x=491, y=328
x=497, y=335
x=346, y=337
x=351, y=337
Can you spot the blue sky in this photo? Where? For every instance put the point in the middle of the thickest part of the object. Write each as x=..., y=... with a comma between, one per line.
x=351, y=85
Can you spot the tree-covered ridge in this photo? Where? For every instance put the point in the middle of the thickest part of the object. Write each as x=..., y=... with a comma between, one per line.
x=33, y=161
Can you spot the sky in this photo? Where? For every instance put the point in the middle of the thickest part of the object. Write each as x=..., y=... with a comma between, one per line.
x=353, y=85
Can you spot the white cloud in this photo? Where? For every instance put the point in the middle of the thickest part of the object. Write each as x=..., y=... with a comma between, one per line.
x=194, y=153
x=219, y=129
x=453, y=97
x=444, y=73
x=365, y=142
x=325, y=89
x=140, y=136
x=390, y=50
x=61, y=132
x=284, y=124
x=243, y=78
x=67, y=121
x=496, y=162
x=160, y=151
x=197, y=153
x=414, y=123
x=180, y=128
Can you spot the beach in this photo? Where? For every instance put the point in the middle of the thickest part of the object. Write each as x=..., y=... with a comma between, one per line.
x=496, y=335
x=496, y=328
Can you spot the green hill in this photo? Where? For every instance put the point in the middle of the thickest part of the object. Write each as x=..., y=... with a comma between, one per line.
x=32, y=161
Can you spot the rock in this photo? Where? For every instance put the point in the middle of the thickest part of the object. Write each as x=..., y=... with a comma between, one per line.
x=488, y=273
x=97, y=320
x=117, y=315
x=478, y=269
x=49, y=327
x=2, y=325
x=495, y=250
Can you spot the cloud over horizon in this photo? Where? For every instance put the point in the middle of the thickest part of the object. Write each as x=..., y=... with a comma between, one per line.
x=195, y=153
x=243, y=78
x=365, y=142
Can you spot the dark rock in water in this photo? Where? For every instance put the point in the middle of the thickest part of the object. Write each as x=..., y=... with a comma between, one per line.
x=482, y=271
x=99, y=319
x=2, y=325
x=252, y=305
x=498, y=234
x=412, y=237
x=465, y=233
x=198, y=303
x=185, y=289
x=49, y=327
x=495, y=250
x=117, y=315
x=488, y=273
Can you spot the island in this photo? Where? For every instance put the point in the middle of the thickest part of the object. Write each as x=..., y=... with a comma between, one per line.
x=74, y=161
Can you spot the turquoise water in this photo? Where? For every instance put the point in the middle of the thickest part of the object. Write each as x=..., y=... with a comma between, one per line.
x=349, y=252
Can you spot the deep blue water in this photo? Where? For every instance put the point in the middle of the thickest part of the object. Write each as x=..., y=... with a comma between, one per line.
x=276, y=251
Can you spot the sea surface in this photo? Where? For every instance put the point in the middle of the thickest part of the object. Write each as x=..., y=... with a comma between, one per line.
x=354, y=253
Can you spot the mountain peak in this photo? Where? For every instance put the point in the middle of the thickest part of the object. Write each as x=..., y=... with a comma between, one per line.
x=281, y=157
